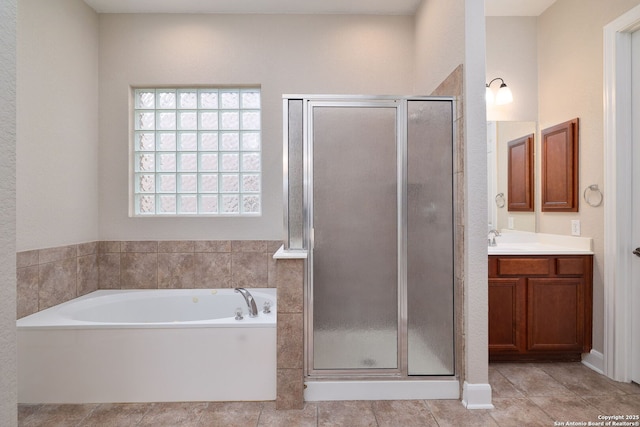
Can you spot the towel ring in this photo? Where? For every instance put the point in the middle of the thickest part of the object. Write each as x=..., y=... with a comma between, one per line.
x=593, y=196
x=500, y=200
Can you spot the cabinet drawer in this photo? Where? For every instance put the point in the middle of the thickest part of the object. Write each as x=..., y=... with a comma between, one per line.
x=523, y=266
x=570, y=266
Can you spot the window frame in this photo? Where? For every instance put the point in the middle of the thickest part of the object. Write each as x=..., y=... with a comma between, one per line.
x=184, y=127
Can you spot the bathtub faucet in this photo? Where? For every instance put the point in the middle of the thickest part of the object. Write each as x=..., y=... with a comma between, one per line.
x=251, y=303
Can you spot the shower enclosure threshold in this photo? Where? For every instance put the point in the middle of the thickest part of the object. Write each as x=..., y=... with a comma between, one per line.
x=382, y=390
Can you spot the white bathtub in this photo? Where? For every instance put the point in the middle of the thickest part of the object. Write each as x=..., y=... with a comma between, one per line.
x=149, y=346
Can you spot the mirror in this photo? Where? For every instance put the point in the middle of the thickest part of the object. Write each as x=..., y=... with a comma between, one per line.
x=499, y=134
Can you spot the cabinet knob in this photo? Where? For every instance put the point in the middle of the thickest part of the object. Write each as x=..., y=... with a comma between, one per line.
x=636, y=252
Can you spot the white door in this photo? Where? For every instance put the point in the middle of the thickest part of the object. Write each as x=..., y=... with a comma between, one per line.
x=635, y=276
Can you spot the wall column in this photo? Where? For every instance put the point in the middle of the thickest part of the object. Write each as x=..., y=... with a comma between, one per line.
x=290, y=356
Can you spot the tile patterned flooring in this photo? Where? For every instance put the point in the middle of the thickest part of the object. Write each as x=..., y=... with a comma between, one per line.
x=533, y=394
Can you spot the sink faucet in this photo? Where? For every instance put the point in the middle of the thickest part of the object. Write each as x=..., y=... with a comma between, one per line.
x=251, y=303
x=491, y=239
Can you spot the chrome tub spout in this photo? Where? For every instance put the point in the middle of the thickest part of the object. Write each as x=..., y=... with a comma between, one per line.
x=251, y=303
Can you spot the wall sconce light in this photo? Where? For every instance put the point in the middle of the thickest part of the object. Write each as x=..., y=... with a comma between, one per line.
x=504, y=95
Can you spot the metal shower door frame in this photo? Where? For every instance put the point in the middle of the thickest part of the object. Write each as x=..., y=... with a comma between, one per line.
x=355, y=102
x=400, y=104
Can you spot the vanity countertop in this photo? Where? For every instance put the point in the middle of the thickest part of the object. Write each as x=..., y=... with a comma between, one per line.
x=523, y=243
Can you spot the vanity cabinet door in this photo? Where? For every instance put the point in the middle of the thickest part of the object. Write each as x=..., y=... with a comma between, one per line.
x=555, y=320
x=506, y=315
x=540, y=307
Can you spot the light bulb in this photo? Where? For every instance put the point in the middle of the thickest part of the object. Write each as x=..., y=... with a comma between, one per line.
x=504, y=95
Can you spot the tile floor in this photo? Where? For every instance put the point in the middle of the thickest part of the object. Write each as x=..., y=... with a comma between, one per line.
x=533, y=394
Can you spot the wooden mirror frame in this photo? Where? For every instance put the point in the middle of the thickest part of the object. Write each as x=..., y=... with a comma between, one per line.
x=559, y=180
x=520, y=183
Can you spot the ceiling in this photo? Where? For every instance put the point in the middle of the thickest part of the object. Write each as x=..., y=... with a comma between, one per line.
x=516, y=7
x=378, y=7
x=375, y=7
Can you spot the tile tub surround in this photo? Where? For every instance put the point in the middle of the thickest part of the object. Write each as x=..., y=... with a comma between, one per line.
x=47, y=277
x=290, y=343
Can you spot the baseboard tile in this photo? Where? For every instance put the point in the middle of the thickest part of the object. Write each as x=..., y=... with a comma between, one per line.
x=476, y=396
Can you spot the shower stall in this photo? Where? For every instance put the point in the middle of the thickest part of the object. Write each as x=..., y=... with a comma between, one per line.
x=369, y=193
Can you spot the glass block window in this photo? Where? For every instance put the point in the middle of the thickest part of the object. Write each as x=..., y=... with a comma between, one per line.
x=197, y=151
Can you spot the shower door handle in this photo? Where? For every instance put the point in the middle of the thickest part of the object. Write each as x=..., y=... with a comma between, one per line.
x=636, y=252
x=312, y=238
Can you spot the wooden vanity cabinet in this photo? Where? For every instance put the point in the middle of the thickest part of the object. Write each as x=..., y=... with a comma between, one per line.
x=540, y=307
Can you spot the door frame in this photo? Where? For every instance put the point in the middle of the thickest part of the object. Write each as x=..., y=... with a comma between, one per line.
x=618, y=304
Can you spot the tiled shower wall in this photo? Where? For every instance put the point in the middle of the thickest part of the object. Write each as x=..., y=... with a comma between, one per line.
x=47, y=277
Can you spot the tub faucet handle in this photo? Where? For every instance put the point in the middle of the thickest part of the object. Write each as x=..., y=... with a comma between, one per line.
x=266, y=307
x=239, y=314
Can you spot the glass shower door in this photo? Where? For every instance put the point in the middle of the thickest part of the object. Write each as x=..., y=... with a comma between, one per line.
x=430, y=249
x=354, y=237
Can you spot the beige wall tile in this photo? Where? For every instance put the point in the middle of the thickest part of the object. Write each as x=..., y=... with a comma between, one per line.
x=212, y=270
x=290, y=284
x=109, y=271
x=88, y=275
x=26, y=258
x=176, y=270
x=139, y=270
x=57, y=254
x=212, y=245
x=273, y=246
x=249, y=269
x=249, y=246
x=57, y=282
x=176, y=246
x=88, y=248
x=271, y=272
x=153, y=264
x=290, y=388
x=290, y=341
x=106, y=246
x=139, y=246
x=27, y=291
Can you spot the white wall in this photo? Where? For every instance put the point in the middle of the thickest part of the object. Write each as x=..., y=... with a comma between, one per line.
x=57, y=181
x=450, y=33
x=283, y=53
x=570, y=57
x=8, y=357
x=439, y=42
x=512, y=54
x=475, y=161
